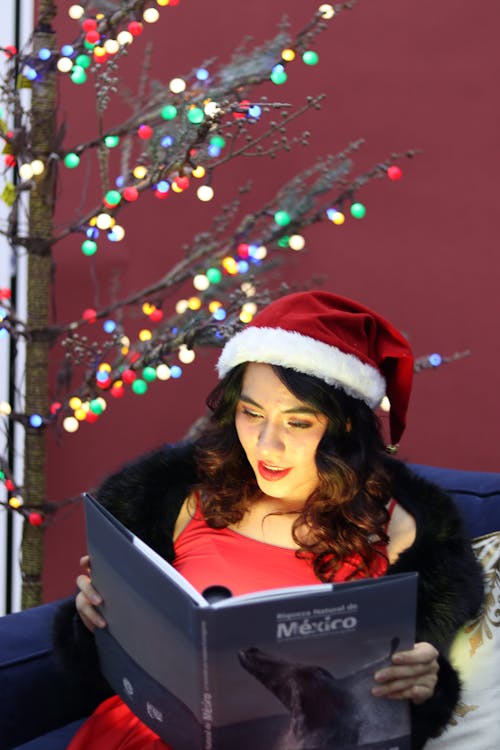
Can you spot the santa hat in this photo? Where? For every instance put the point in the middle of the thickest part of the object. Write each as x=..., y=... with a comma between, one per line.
x=335, y=339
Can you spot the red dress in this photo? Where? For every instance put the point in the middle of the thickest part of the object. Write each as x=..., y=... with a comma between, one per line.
x=206, y=556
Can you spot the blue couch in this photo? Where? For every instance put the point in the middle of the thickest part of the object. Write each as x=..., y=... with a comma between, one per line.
x=36, y=698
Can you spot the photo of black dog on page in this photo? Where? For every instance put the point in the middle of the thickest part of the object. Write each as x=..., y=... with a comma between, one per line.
x=326, y=711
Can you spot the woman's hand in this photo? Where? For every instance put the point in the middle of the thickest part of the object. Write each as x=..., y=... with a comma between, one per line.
x=88, y=598
x=413, y=674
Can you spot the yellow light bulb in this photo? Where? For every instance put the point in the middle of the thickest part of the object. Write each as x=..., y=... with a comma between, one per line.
x=105, y=367
x=15, y=502
x=288, y=55
x=140, y=172
x=148, y=308
x=175, y=187
x=194, y=303
x=80, y=414
x=214, y=305
x=145, y=335
x=199, y=171
x=75, y=402
x=338, y=218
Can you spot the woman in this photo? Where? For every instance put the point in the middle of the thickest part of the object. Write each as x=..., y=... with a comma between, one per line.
x=291, y=482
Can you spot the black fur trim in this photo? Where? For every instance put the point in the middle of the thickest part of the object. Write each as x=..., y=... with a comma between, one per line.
x=430, y=718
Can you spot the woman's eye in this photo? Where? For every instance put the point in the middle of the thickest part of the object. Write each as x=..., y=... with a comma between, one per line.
x=249, y=413
x=300, y=425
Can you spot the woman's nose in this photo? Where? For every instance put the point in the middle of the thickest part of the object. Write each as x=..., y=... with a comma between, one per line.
x=270, y=439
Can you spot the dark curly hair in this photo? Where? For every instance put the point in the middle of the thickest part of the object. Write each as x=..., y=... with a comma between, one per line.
x=346, y=515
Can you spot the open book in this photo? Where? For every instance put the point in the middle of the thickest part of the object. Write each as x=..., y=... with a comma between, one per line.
x=286, y=669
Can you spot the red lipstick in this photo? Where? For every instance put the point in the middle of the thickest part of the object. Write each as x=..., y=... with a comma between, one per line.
x=270, y=474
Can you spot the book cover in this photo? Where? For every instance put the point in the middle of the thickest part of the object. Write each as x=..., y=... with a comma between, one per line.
x=287, y=669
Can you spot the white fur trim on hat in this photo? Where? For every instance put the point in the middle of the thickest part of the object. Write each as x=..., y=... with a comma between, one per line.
x=276, y=346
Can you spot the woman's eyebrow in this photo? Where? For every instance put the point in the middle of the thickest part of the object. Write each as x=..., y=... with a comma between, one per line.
x=299, y=409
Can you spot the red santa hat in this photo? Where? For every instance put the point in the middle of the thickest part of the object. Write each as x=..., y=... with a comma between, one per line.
x=335, y=339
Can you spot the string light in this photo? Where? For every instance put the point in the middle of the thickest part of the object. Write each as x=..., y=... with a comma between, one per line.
x=186, y=356
x=282, y=218
x=124, y=38
x=177, y=85
x=297, y=242
x=358, y=210
x=76, y=12
x=394, y=172
x=151, y=15
x=326, y=11
x=205, y=193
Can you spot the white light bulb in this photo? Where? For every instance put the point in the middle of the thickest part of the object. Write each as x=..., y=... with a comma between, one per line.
x=64, y=64
x=205, y=193
x=70, y=424
x=296, y=242
x=177, y=85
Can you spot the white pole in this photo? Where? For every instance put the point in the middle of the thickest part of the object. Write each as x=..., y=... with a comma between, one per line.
x=15, y=29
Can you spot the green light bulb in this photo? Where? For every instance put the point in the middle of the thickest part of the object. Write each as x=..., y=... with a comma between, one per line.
x=310, y=57
x=169, y=112
x=282, y=218
x=71, y=160
x=358, y=211
x=89, y=247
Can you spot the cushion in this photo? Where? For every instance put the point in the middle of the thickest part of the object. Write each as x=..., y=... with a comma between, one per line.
x=476, y=494
x=476, y=655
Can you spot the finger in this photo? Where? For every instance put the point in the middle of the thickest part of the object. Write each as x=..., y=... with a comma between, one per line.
x=420, y=653
x=85, y=585
x=410, y=671
x=414, y=687
x=417, y=693
x=85, y=562
x=88, y=613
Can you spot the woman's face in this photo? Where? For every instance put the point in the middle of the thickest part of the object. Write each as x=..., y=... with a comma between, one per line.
x=279, y=434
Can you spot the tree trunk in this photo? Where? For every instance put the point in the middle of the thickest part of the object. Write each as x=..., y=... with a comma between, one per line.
x=40, y=230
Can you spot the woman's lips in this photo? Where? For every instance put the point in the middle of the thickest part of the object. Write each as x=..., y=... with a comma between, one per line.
x=270, y=474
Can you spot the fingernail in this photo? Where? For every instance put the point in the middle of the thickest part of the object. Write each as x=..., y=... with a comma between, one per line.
x=380, y=676
x=377, y=691
x=96, y=599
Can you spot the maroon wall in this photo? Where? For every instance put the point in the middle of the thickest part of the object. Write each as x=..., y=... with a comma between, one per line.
x=400, y=74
